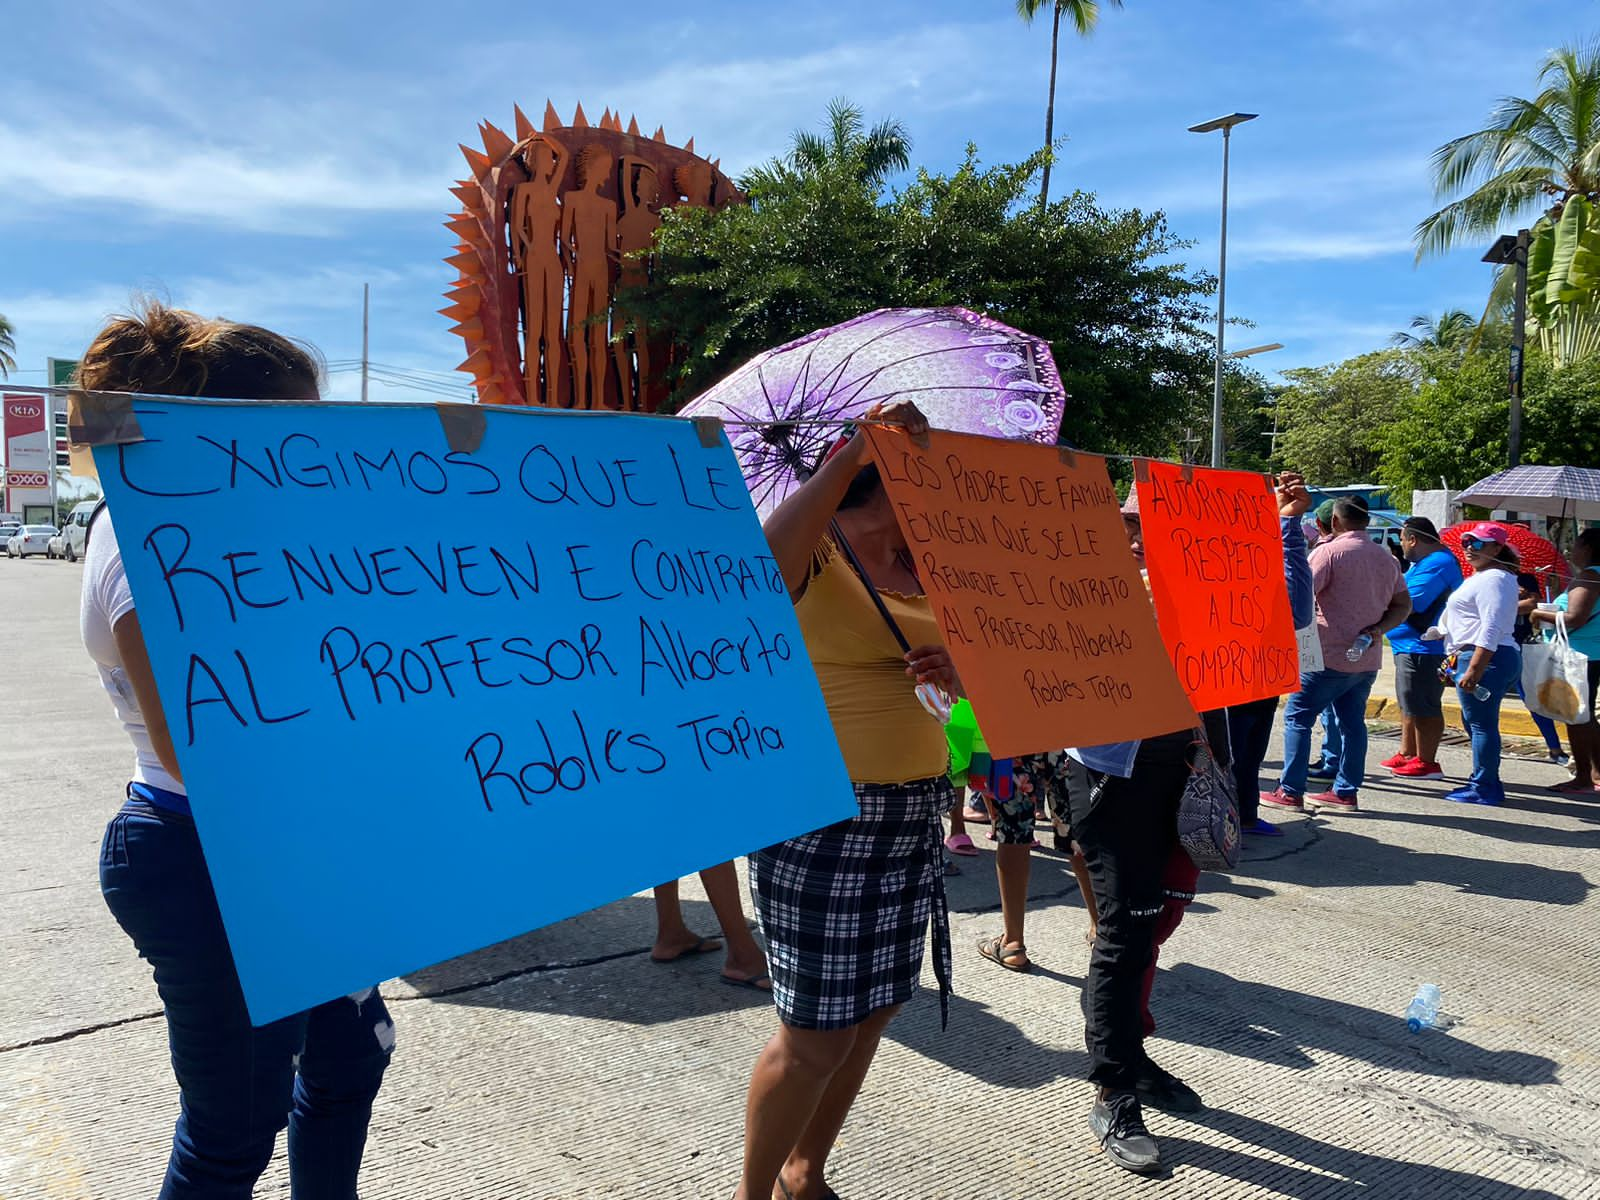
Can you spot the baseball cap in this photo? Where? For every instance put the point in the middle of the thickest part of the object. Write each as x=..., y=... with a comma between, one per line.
x=1130, y=506
x=1325, y=512
x=1490, y=531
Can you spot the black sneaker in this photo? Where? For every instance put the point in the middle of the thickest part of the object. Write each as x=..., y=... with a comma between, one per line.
x=1118, y=1123
x=1165, y=1092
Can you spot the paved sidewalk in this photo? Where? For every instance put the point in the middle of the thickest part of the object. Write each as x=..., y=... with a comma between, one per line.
x=565, y=1064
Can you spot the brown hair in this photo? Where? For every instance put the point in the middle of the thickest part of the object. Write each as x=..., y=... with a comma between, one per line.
x=166, y=351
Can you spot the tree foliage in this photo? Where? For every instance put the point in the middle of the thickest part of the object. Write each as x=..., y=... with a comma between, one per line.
x=1533, y=152
x=1083, y=15
x=822, y=242
x=1332, y=419
x=8, y=347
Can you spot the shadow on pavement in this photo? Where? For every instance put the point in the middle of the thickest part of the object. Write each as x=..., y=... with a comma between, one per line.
x=1509, y=831
x=1307, y=1178
x=985, y=1045
x=1343, y=857
x=1273, y=1025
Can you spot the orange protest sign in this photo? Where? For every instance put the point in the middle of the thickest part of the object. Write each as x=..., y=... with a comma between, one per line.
x=1215, y=554
x=1023, y=554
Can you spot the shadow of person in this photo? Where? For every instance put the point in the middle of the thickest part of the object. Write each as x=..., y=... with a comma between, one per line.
x=982, y=1044
x=1476, y=820
x=1308, y=1176
x=1280, y=1026
x=596, y=965
x=1346, y=858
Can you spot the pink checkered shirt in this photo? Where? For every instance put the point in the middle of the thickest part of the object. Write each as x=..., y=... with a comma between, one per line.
x=1354, y=579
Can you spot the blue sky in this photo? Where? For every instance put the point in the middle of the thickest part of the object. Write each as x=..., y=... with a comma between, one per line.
x=263, y=161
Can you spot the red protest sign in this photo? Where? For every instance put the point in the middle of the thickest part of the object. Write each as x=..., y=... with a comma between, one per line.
x=1023, y=555
x=1215, y=555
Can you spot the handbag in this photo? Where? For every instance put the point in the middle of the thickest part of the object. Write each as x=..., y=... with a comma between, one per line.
x=1208, y=813
x=1555, y=678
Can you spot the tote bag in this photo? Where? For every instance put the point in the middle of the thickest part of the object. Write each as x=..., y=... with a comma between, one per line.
x=1555, y=678
x=1208, y=814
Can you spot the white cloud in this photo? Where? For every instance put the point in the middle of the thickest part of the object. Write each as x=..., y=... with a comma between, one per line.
x=1317, y=245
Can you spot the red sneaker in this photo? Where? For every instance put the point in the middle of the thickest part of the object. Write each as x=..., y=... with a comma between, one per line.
x=1332, y=802
x=1417, y=769
x=1279, y=798
x=1397, y=760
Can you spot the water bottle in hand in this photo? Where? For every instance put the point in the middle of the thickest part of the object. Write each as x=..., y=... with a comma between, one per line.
x=1423, y=1011
x=1360, y=646
x=1481, y=692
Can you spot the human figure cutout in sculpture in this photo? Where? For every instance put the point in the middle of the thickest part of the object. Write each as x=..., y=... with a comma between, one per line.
x=641, y=193
x=536, y=230
x=589, y=239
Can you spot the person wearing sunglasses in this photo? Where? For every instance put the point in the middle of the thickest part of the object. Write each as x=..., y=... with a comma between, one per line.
x=1481, y=653
x=845, y=910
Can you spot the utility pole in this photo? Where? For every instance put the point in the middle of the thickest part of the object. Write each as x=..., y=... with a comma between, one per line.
x=366, y=305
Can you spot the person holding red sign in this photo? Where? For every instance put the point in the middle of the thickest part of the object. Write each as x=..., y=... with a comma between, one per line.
x=845, y=910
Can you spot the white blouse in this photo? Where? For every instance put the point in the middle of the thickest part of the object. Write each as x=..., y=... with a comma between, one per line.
x=1482, y=611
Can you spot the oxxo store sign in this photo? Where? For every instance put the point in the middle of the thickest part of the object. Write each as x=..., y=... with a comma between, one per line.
x=29, y=486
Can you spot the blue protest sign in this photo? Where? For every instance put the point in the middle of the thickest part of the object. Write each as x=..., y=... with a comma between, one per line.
x=393, y=669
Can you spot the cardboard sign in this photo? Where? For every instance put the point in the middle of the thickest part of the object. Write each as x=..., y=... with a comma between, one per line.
x=396, y=671
x=1022, y=552
x=1215, y=554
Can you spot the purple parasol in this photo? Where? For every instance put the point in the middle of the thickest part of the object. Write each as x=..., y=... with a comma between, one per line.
x=785, y=408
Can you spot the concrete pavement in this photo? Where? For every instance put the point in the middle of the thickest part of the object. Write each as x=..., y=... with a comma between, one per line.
x=565, y=1064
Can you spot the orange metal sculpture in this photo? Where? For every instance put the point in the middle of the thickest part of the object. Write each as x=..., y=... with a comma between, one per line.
x=555, y=223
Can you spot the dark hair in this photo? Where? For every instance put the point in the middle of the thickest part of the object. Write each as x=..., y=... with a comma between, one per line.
x=1352, y=512
x=1589, y=539
x=862, y=487
x=1527, y=579
x=173, y=352
x=1422, y=527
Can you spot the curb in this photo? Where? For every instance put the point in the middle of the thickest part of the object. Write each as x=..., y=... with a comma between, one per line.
x=1514, y=721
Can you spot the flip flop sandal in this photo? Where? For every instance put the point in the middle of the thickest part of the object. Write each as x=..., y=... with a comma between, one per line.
x=960, y=843
x=830, y=1194
x=994, y=949
x=753, y=983
x=706, y=945
x=1573, y=788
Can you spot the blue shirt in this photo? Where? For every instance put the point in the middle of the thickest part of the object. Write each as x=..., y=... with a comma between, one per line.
x=1116, y=758
x=1429, y=581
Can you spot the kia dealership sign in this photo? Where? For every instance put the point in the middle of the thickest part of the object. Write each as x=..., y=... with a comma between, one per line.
x=29, y=454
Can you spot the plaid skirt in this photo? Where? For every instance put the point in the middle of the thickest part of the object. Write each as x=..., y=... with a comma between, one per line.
x=845, y=910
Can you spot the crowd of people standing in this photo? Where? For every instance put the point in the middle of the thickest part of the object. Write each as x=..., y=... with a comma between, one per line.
x=844, y=911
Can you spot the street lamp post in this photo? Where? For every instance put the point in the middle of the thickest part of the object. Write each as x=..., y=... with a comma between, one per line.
x=1225, y=124
x=1512, y=251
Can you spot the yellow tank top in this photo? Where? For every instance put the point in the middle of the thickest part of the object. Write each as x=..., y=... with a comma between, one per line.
x=885, y=734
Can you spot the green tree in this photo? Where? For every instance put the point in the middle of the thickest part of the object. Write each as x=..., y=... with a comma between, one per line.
x=1533, y=152
x=1457, y=425
x=1332, y=419
x=8, y=347
x=1452, y=330
x=818, y=245
x=1084, y=15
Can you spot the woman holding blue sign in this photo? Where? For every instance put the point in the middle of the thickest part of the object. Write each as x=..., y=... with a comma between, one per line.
x=316, y=1072
x=845, y=910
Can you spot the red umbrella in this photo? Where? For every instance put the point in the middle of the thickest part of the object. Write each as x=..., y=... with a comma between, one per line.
x=1539, y=555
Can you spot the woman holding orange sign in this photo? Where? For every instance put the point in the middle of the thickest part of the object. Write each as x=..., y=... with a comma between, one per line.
x=845, y=910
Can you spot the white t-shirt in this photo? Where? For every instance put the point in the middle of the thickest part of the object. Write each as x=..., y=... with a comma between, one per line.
x=1482, y=611
x=105, y=601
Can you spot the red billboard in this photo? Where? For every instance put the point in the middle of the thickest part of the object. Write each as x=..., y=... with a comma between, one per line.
x=29, y=457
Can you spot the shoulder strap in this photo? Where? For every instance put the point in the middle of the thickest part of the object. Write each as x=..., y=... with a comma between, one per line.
x=89, y=528
x=877, y=600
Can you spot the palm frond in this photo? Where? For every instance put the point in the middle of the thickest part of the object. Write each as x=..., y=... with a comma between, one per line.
x=1483, y=213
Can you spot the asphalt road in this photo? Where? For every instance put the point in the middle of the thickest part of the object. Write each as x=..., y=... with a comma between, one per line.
x=566, y=1064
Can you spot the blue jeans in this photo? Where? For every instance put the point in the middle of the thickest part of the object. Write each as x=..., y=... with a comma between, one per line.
x=240, y=1085
x=1346, y=693
x=1332, y=740
x=1483, y=717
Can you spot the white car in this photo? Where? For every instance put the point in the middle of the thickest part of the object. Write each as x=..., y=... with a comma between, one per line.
x=29, y=539
x=56, y=547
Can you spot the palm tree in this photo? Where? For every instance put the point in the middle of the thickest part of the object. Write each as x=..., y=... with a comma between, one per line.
x=1452, y=330
x=1533, y=152
x=8, y=346
x=869, y=155
x=1085, y=15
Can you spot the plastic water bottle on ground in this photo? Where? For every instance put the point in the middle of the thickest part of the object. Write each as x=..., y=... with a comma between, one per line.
x=1359, y=647
x=1423, y=1011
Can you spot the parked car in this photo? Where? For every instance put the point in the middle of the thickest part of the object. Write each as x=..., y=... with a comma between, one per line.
x=29, y=539
x=76, y=530
x=56, y=547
